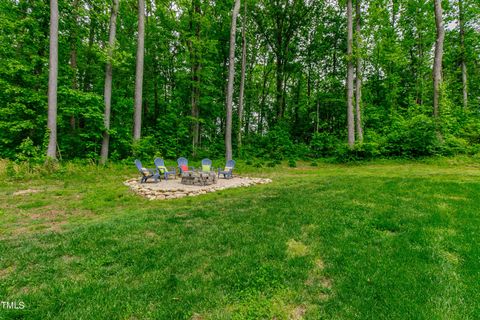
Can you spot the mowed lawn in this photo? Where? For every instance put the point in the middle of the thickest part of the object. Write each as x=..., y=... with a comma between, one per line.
x=382, y=240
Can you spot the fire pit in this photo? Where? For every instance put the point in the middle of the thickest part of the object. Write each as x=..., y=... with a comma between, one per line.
x=199, y=178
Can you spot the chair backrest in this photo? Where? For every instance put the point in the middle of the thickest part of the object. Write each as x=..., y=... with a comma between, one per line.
x=206, y=165
x=138, y=164
x=159, y=162
x=230, y=164
x=182, y=161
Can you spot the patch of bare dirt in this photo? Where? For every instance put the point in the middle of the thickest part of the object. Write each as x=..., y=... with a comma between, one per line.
x=318, y=279
x=298, y=313
x=25, y=192
x=196, y=316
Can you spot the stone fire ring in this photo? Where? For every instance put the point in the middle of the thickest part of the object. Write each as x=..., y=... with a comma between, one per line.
x=172, y=188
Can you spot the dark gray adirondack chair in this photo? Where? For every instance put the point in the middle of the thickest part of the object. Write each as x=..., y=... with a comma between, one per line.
x=183, y=166
x=207, y=165
x=146, y=173
x=228, y=170
x=162, y=170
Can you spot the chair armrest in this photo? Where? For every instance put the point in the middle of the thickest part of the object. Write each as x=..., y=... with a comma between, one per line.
x=150, y=170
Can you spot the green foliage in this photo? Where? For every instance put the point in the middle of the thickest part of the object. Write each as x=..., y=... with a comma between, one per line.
x=146, y=148
x=412, y=137
x=323, y=144
x=277, y=144
x=294, y=98
x=453, y=146
x=28, y=152
x=359, y=152
x=292, y=163
x=258, y=164
x=271, y=164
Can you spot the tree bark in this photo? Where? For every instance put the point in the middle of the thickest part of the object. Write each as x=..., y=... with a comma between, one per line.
x=350, y=116
x=137, y=121
x=87, y=79
x=108, y=83
x=437, y=66
x=73, y=58
x=280, y=98
x=242, y=78
x=263, y=97
x=461, y=22
x=195, y=71
x=231, y=74
x=358, y=86
x=52, y=82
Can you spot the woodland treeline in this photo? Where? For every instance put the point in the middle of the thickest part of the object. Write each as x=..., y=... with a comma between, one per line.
x=280, y=79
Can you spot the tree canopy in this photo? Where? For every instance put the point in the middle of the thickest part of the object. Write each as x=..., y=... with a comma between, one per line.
x=295, y=87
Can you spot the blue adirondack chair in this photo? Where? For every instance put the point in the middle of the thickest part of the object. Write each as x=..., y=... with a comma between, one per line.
x=206, y=165
x=162, y=170
x=183, y=166
x=228, y=170
x=145, y=172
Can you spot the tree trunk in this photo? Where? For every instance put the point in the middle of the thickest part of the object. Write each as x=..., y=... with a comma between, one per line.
x=231, y=74
x=52, y=82
x=279, y=87
x=87, y=79
x=195, y=70
x=263, y=97
x=137, y=121
x=242, y=79
x=437, y=66
x=108, y=83
x=461, y=22
x=358, y=86
x=350, y=117
x=73, y=58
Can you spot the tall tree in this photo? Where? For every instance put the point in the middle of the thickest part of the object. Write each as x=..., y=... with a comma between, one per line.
x=279, y=22
x=137, y=120
x=73, y=56
x=107, y=93
x=437, y=65
x=231, y=75
x=52, y=81
x=461, y=22
x=242, y=78
x=358, y=84
x=195, y=67
x=350, y=68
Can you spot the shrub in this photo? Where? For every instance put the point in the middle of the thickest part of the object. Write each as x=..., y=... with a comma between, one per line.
x=271, y=164
x=453, y=145
x=258, y=164
x=414, y=137
x=360, y=151
x=27, y=151
x=323, y=144
x=277, y=143
x=146, y=148
x=292, y=163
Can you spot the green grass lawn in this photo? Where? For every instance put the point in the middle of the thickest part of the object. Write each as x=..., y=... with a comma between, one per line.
x=384, y=240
